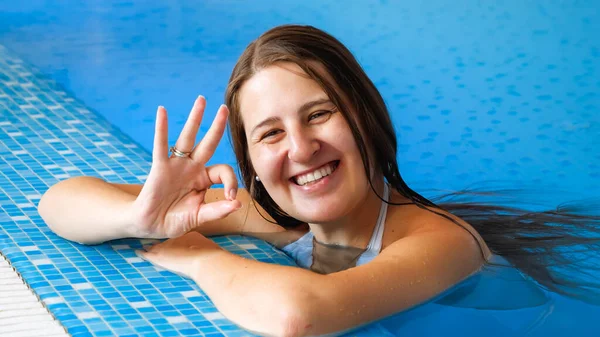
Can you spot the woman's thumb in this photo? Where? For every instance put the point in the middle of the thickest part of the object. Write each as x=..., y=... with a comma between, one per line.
x=217, y=210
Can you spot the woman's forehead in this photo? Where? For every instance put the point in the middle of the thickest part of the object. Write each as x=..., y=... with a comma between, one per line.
x=272, y=81
x=277, y=89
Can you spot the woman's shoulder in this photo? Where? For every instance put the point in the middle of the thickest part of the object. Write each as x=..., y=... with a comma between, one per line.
x=410, y=219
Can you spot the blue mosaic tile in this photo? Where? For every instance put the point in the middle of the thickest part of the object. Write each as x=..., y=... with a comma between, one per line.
x=103, y=290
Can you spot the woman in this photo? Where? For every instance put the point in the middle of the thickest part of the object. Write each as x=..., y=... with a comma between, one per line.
x=317, y=153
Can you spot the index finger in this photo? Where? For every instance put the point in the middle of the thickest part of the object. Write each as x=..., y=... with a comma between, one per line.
x=209, y=143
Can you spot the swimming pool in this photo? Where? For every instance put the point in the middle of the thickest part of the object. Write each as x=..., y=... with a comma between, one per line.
x=477, y=93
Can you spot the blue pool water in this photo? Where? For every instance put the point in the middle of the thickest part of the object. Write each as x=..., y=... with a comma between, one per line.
x=478, y=92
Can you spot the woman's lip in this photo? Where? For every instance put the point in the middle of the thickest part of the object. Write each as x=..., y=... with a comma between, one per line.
x=293, y=178
x=334, y=163
x=319, y=185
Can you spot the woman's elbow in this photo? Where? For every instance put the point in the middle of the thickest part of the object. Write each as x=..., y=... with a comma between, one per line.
x=49, y=212
x=51, y=206
x=47, y=205
x=299, y=315
x=291, y=322
x=59, y=192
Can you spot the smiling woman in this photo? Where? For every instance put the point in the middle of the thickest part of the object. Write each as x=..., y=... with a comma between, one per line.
x=298, y=133
x=317, y=154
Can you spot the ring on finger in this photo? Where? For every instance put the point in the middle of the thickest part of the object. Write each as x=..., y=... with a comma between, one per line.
x=178, y=153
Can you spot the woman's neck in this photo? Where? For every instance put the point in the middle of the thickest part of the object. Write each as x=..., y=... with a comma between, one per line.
x=355, y=228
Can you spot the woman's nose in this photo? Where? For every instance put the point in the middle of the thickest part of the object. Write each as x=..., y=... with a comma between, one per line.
x=303, y=146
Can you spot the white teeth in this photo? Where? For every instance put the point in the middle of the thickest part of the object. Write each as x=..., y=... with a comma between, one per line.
x=318, y=174
x=315, y=175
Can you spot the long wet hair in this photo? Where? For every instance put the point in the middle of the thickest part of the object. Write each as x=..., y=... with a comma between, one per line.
x=547, y=246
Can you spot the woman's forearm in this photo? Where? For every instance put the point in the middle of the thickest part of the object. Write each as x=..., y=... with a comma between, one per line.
x=88, y=210
x=263, y=298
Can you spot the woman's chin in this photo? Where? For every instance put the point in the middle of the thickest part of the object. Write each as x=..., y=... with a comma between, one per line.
x=321, y=213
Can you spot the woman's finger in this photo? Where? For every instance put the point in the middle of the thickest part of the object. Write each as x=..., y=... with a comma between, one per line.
x=160, y=150
x=217, y=210
x=224, y=174
x=209, y=143
x=187, y=137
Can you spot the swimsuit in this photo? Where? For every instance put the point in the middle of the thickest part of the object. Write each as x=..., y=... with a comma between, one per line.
x=323, y=258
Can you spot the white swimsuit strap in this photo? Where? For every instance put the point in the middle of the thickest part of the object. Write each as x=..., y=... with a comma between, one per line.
x=376, y=238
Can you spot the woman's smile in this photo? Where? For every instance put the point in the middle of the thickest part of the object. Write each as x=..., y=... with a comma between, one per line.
x=317, y=181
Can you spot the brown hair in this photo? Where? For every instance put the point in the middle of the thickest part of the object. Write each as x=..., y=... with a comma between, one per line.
x=532, y=242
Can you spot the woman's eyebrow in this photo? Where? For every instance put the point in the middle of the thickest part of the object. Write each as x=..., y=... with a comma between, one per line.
x=269, y=120
x=306, y=106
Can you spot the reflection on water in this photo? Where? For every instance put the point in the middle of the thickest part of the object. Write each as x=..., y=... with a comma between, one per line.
x=496, y=301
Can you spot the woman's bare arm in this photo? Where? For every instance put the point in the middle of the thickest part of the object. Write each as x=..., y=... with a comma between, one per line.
x=303, y=303
x=90, y=210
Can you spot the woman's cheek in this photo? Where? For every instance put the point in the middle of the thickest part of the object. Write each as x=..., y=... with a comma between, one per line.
x=266, y=161
x=343, y=137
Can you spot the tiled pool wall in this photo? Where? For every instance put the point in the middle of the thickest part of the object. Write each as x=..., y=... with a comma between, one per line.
x=103, y=290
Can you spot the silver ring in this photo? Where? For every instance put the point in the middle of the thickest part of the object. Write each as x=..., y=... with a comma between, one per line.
x=178, y=153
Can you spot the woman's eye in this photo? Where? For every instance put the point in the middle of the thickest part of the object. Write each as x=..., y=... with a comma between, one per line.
x=269, y=134
x=320, y=115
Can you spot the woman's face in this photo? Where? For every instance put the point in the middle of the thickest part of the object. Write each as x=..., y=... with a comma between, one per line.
x=301, y=146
